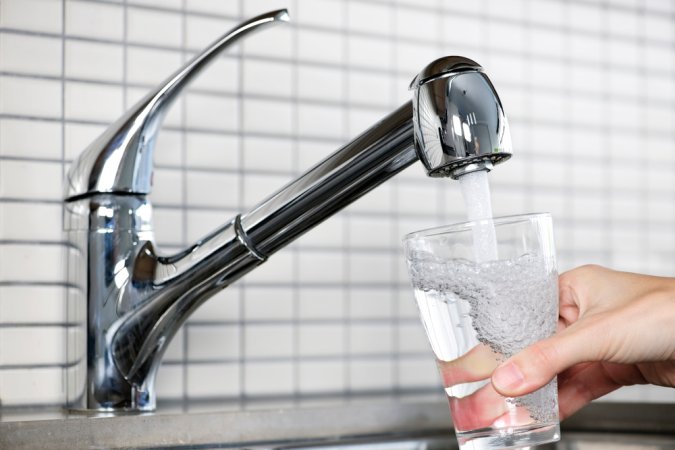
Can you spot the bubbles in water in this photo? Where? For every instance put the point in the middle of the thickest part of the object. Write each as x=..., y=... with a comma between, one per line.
x=513, y=303
x=540, y=404
x=504, y=304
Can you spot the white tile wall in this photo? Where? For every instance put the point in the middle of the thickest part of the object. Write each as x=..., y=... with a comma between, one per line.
x=589, y=88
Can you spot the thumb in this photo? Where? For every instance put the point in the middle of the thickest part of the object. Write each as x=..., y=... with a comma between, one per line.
x=536, y=365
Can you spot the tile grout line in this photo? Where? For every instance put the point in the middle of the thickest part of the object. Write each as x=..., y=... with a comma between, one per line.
x=243, y=284
x=346, y=294
x=295, y=254
x=64, y=290
x=185, y=344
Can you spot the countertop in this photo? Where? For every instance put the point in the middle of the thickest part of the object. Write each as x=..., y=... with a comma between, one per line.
x=60, y=430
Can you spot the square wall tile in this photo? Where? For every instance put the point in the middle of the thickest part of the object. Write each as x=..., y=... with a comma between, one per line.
x=371, y=338
x=30, y=180
x=324, y=339
x=321, y=266
x=321, y=303
x=94, y=61
x=175, y=352
x=370, y=268
x=154, y=27
x=30, y=97
x=20, y=14
x=213, y=380
x=169, y=148
x=169, y=382
x=45, y=262
x=45, y=141
x=33, y=304
x=226, y=8
x=268, y=378
x=88, y=101
x=212, y=150
x=30, y=221
x=32, y=386
x=321, y=121
x=169, y=225
x=547, y=42
x=322, y=376
x=168, y=186
x=370, y=303
x=268, y=341
x=268, y=153
x=319, y=12
x=320, y=46
x=264, y=116
x=370, y=374
x=371, y=232
x=213, y=113
x=507, y=36
x=30, y=54
x=212, y=189
x=269, y=303
x=412, y=339
x=173, y=4
x=370, y=52
x=94, y=20
x=267, y=78
x=47, y=345
x=201, y=340
x=368, y=88
x=322, y=83
x=586, y=16
x=418, y=23
x=371, y=18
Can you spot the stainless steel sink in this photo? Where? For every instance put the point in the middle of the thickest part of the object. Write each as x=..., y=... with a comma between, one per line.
x=570, y=441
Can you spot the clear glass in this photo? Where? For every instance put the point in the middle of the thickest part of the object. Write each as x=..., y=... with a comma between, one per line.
x=479, y=308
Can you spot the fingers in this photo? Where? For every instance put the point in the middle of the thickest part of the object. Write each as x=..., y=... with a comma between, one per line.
x=585, y=383
x=535, y=366
x=478, y=410
x=475, y=365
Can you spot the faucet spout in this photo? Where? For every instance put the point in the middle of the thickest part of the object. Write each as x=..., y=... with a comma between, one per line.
x=136, y=299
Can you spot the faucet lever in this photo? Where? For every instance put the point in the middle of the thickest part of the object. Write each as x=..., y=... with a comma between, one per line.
x=120, y=159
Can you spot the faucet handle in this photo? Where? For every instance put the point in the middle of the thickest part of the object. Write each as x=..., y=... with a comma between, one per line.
x=459, y=121
x=120, y=159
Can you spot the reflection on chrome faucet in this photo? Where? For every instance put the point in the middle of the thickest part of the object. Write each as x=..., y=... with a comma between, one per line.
x=131, y=300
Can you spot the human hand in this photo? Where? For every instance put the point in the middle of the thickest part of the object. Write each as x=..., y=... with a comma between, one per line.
x=615, y=329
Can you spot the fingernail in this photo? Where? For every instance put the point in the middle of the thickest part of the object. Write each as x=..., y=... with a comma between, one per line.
x=508, y=377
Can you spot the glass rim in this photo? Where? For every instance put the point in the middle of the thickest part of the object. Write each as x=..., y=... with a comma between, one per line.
x=469, y=224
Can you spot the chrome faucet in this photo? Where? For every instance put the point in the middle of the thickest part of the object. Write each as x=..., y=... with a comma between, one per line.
x=131, y=300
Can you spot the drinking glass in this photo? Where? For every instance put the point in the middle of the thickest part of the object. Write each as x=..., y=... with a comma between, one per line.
x=485, y=290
